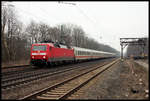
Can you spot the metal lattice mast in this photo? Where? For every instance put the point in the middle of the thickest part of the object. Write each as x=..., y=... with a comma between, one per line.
x=132, y=41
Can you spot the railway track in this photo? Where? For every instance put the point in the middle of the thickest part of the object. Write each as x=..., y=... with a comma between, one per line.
x=27, y=70
x=16, y=69
x=24, y=68
x=64, y=89
x=25, y=78
x=10, y=67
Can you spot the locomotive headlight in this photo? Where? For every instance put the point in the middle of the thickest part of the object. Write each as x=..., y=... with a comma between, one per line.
x=33, y=57
x=44, y=57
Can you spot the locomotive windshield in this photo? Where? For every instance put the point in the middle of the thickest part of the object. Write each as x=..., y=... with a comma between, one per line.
x=39, y=48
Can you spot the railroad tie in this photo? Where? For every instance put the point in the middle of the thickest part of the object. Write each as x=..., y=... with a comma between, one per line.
x=46, y=98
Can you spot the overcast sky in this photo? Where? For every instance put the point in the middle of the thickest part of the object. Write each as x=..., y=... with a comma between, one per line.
x=106, y=22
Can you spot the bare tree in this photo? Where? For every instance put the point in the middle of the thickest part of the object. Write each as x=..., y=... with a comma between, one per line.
x=4, y=19
x=43, y=31
x=78, y=36
x=11, y=35
x=33, y=31
x=53, y=34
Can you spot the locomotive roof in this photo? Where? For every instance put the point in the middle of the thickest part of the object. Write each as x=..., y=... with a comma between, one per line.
x=51, y=44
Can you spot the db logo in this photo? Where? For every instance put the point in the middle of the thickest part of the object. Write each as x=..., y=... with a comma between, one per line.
x=38, y=53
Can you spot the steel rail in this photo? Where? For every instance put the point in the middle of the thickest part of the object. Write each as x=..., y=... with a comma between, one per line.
x=62, y=95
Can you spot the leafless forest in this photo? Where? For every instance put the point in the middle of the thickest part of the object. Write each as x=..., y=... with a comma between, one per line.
x=16, y=38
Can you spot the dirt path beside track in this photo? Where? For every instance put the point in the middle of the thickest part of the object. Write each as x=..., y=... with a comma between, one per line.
x=124, y=80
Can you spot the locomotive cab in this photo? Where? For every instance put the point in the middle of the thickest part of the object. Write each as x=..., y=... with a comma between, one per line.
x=39, y=53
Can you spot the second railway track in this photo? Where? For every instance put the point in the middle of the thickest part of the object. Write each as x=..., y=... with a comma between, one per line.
x=64, y=89
x=22, y=79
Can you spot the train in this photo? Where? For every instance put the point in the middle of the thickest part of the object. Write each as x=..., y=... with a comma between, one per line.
x=54, y=53
x=139, y=56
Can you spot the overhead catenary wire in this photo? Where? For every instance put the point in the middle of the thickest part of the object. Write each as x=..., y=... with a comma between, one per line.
x=94, y=23
x=81, y=11
x=36, y=18
x=45, y=13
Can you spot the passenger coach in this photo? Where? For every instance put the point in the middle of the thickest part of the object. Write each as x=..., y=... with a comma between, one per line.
x=88, y=54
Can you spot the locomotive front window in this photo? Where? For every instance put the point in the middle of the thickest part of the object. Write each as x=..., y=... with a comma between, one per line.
x=39, y=48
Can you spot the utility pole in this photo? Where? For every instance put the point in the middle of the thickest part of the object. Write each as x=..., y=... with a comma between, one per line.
x=61, y=32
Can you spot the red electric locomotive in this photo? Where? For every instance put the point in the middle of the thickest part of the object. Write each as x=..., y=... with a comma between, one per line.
x=50, y=53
